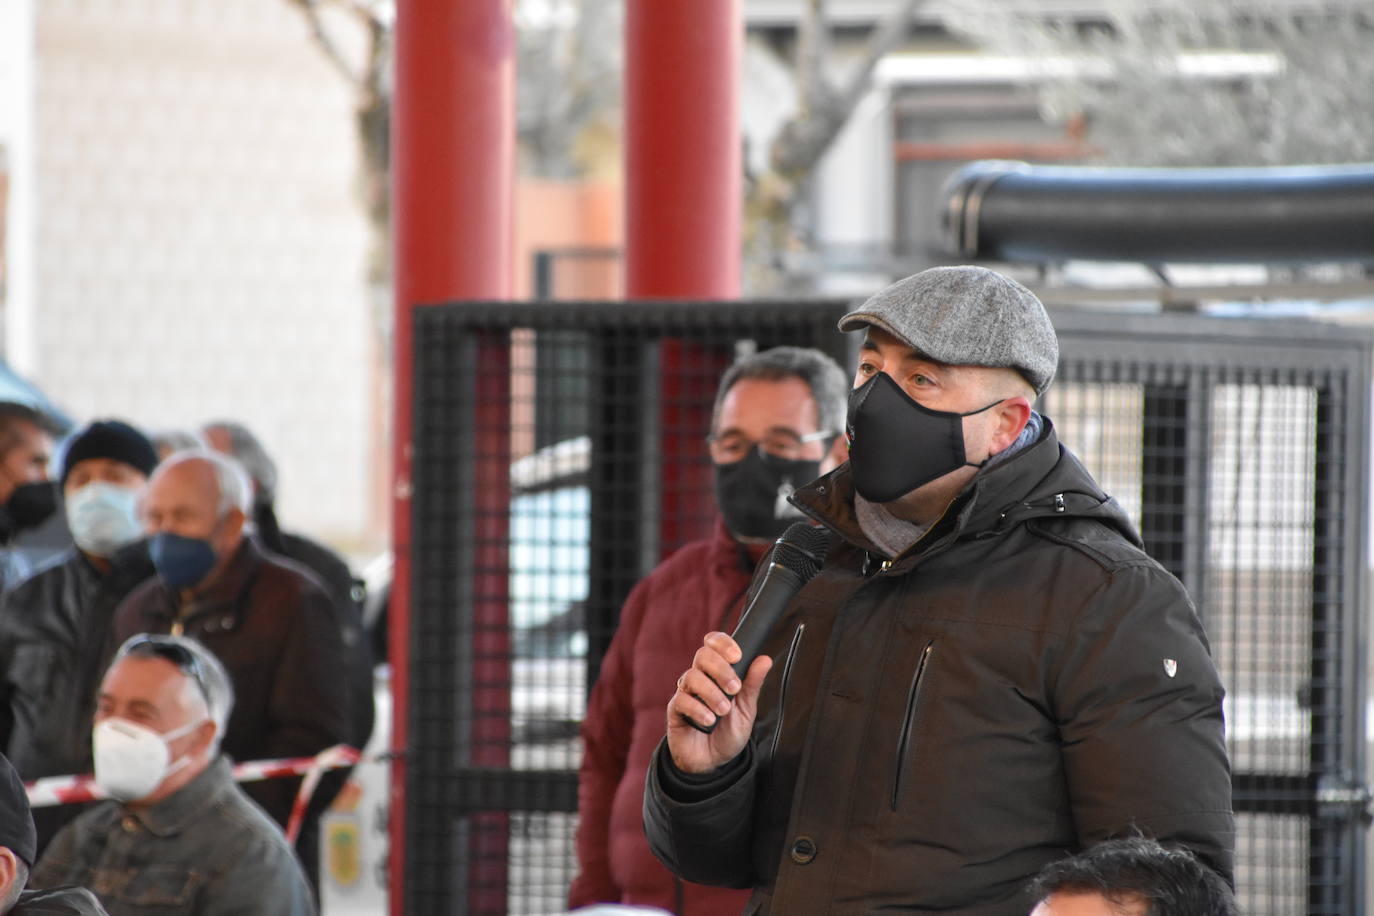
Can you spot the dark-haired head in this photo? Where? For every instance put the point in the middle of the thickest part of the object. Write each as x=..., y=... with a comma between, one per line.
x=1134, y=876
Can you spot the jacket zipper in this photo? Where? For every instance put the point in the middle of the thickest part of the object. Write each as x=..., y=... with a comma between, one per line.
x=782, y=688
x=913, y=694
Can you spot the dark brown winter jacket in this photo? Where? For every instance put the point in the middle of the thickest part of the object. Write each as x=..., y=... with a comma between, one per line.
x=1023, y=682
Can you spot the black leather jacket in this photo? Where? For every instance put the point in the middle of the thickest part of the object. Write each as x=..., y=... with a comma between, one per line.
x=55, y=643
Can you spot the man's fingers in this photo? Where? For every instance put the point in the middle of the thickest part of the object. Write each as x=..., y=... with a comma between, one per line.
x=689, y=708
x=698, y=686
x=753, y=682
x=724, y=645
x=715, y=664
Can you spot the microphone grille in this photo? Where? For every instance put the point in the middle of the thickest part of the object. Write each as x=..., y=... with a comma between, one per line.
x=802, y=549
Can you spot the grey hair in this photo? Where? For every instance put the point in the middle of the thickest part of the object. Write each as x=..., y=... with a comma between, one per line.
x=175, y=440
x=247, y=450
x=235, y=489
x=219, y=689
x=827, y=381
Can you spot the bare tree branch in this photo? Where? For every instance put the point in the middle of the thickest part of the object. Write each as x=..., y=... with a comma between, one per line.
x=311, y=10
x=804, y=139
x=813, y=47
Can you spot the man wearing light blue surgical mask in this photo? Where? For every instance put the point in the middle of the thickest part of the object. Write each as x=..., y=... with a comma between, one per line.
x=55, y=626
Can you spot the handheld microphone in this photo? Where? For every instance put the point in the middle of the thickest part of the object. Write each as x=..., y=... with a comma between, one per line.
x=794, y=560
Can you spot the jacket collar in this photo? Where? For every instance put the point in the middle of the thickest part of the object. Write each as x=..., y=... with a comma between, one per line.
x=229, y=585
x=175, y=813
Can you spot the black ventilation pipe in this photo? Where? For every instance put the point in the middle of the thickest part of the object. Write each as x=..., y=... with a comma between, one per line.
x=1012, y=211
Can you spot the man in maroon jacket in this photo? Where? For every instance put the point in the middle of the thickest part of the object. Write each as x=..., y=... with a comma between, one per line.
x=776, y=425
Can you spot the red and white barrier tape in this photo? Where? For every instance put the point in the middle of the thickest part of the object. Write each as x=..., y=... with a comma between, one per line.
x=72, y=790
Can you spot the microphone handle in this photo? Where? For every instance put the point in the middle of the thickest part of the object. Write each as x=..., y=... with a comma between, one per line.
x=775, y=591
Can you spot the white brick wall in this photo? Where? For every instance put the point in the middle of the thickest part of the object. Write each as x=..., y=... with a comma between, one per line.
x=199, y=245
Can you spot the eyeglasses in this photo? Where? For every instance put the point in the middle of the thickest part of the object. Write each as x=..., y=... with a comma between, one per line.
x=779, y=443
x=151, y=644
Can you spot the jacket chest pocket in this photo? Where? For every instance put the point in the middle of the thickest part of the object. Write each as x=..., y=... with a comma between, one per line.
x=907, y=737
x=788, y=661
x=151, y=887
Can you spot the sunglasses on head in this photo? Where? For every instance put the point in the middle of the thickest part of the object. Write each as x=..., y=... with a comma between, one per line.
x=153, y=645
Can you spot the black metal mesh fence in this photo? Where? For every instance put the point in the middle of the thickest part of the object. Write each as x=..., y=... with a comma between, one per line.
x=559, y=457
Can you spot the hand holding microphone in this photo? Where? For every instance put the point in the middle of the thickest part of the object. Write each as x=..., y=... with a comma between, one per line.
x=722, y=686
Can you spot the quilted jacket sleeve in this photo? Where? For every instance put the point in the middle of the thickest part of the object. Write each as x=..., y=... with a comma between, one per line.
x=606, y=731
x=702, y=827
x=1139, y=706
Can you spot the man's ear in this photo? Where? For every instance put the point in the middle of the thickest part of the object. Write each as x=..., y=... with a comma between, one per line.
x=234, y=521
x=205, y=736
x=1012, y=416
x=9, y=871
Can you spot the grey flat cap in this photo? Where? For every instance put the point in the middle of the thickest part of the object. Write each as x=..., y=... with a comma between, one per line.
x=966, y=316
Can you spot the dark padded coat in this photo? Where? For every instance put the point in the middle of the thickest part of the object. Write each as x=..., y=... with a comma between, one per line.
x=698, y=589
x=1023, y=682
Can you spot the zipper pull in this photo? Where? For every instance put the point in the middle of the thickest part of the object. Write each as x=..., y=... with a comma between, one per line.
x=1059, y=502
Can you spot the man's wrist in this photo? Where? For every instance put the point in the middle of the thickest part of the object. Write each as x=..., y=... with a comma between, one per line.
x=686, y=788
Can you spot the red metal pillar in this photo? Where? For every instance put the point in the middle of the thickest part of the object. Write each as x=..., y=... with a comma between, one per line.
x=682, y=148
x=682, y=212
x=453, y=160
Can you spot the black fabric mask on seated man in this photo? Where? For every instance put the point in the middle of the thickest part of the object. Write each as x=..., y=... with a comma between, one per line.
x=752, y=493
x=897, y=445
x=29, y=506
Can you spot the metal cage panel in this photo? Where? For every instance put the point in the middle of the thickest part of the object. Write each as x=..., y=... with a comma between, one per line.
x=559, y=457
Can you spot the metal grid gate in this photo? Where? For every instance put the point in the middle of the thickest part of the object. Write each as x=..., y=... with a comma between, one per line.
x=1241, y=450
x=559, y=456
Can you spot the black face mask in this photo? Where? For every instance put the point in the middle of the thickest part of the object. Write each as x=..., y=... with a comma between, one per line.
x=752, y=493
x=30, y=505
x=896, y=445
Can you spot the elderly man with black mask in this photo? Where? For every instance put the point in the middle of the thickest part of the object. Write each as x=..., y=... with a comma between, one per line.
x=986, y=674
x=178, y=836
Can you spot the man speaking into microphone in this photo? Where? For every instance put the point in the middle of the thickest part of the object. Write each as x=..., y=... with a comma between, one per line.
x=987, y=673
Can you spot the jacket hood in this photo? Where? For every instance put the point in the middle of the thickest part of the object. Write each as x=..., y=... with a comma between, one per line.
x=1043, y=480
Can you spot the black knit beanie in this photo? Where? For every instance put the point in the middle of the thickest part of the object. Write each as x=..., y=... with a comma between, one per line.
x=111, y=439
